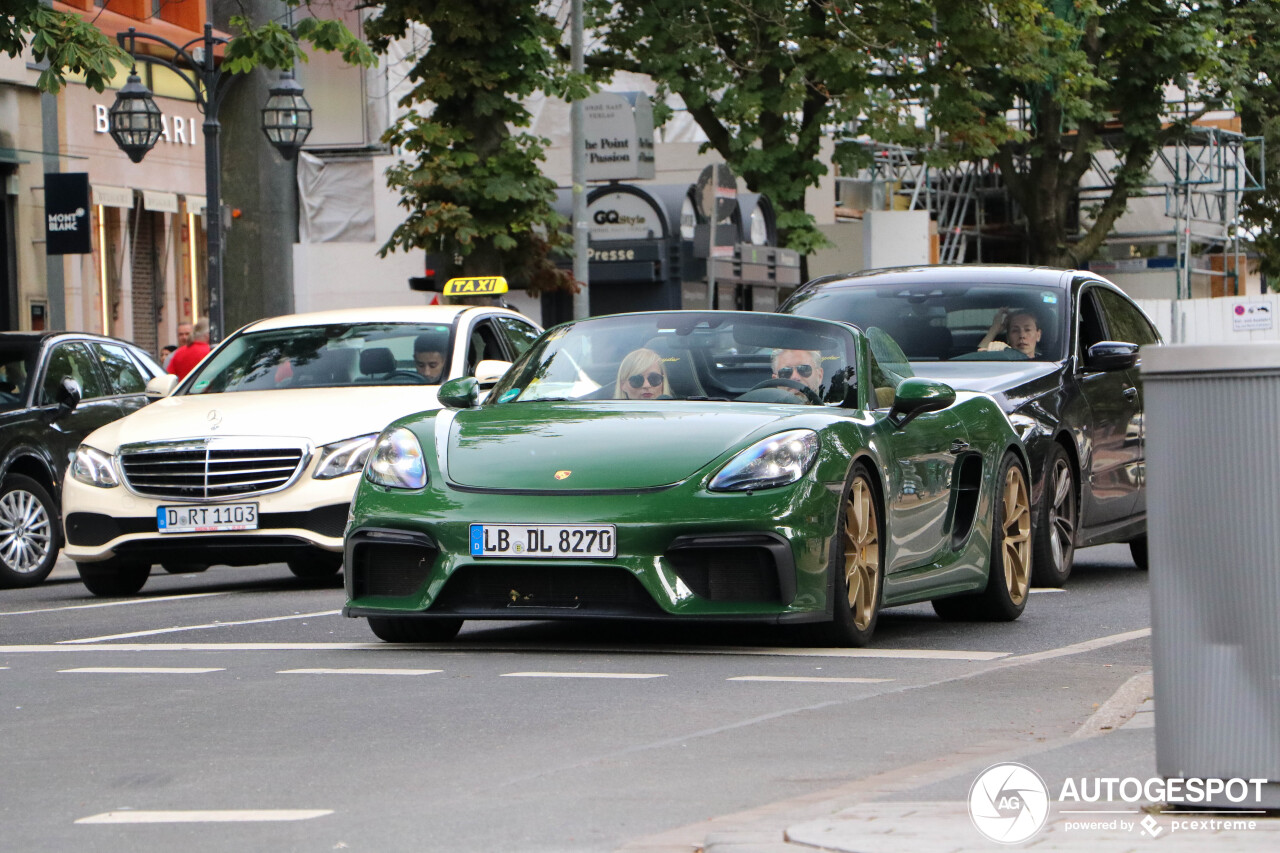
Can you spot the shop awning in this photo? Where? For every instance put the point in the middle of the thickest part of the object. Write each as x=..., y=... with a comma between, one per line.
x=158, y=201
x=113, y=196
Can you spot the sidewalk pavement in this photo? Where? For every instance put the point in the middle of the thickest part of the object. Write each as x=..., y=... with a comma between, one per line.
x=923, y=809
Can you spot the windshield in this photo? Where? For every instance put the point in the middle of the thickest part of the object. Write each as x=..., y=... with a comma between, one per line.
x=948, y=322
x=17, y=363
x=738, y=356
x=336, y=356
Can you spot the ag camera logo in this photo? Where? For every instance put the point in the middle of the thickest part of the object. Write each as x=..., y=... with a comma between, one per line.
x=1008, y=803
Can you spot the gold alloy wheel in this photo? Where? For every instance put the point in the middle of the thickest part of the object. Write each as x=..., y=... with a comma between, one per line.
x=862, y=553
x=1016, y=542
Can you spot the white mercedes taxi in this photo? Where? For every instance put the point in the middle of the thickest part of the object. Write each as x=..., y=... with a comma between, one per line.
x=253, y=458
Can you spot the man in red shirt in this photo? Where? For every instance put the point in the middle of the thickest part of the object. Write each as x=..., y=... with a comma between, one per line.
x=185, y=358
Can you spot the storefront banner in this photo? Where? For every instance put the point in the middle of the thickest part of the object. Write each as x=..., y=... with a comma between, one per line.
x=66, y=211
x=113, y=196
x=161, y=202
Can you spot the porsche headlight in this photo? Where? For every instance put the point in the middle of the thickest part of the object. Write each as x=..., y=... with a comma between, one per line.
x=397, y=461
x=93, y=468
x=344, y=457
x=778, y=460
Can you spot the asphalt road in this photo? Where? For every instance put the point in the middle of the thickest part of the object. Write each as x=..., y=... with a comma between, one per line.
x=237, y=709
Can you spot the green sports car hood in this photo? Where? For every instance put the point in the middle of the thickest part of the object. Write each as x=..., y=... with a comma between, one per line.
x=605, y=445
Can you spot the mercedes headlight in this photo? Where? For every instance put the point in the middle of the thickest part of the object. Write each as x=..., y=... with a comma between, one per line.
x=778, y=460
x=397, y=461
x=344, y=457
x=93, y=468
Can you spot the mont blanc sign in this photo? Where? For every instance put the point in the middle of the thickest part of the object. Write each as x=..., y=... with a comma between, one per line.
x=618, y=132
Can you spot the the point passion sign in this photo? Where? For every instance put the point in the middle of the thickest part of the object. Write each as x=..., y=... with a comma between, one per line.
x=618, y=133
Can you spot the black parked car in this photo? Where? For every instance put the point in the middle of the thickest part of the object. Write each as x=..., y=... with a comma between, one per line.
x=1058, y=349
x=55, y=388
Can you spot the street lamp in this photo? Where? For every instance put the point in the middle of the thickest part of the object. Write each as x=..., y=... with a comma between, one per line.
x=134, y=123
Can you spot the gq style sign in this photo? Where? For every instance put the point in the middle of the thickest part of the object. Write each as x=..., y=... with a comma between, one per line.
x=66, y=213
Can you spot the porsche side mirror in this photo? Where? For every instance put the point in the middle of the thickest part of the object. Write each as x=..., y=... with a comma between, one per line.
x=1111, y=355
x=460, y=393
x=160, y=386
x=67, y=397
x=490, y=371
x=916, y=396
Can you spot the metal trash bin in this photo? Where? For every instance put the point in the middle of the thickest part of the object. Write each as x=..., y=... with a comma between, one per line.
x=1212, y=431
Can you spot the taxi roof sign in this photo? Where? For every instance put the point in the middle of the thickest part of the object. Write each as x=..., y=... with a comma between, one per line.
x=485, y=285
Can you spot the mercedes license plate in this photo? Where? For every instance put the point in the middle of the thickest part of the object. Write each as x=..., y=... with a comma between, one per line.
x=207, y=518
x=547, y=541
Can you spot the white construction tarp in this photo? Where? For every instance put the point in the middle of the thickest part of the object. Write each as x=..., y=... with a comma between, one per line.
x=335, y=200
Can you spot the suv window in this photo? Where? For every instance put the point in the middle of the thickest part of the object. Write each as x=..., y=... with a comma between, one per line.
x=71, y=359
x=121, y=371
x=1125, y=322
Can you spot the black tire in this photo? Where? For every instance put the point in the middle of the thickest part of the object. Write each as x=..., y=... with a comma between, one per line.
x=399, y=629
x=29, y=536
x=1138, y=548
x=1057, y=519
x=1009, y=573
x=856, y=556
x=316, y=565
x=114, y=578
x=174, y=567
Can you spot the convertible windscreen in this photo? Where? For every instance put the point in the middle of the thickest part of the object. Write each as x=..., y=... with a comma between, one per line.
x=768, y=358
x=945, y=322
x=337, y=356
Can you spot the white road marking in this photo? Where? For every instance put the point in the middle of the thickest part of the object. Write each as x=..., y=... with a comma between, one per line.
x=147, y=670
x=816, y=679
x=180, y=628
x=97, y=604
x=1077, y=648
x=357, y=671
x=584, y=675
x=748, y=651
x=211, y=816
x=1048, y=589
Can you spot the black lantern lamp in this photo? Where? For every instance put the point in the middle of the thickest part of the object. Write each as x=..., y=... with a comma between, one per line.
x=286, y=119
x=134, y=119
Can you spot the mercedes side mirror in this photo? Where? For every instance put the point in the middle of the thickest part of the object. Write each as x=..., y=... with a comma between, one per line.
x=1111, y=355
x=161, y=386
x=490, y=371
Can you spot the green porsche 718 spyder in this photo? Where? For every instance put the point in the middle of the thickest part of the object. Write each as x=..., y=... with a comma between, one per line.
x=689, y=465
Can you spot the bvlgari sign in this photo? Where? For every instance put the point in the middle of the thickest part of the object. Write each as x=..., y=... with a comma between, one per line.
x=618, y=132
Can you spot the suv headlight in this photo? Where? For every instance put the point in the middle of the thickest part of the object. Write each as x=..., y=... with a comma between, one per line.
x=397, y=461
x=778, y=460
x=344, y=457
x=93, y=468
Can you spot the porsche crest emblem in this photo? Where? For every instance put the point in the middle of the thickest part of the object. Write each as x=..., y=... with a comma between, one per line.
x=561, y=475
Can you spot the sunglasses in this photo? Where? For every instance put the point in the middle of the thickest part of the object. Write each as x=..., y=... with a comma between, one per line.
x=805, y=370
x=637, y=381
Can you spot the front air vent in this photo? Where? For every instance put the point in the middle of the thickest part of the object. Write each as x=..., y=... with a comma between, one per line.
x=209, y=470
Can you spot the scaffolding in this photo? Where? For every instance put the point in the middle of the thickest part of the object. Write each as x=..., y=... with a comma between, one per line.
x=1202, y=178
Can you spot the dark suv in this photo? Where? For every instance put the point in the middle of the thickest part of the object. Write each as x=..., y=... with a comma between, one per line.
x=55, y=388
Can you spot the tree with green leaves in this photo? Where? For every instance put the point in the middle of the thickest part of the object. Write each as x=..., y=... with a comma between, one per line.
x=68, y=43
x=1080, y=74
x=1258, y=32
x=473, y=188
x=766, y=81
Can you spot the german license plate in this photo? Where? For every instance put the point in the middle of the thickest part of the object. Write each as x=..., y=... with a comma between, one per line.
x=546, y=541
x=207, y=518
